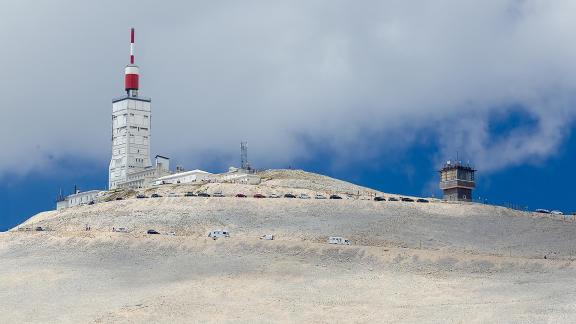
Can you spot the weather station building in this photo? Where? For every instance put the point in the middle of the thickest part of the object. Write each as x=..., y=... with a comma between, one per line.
x=457, y=181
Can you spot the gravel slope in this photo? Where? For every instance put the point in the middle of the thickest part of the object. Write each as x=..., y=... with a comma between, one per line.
x=409, y=262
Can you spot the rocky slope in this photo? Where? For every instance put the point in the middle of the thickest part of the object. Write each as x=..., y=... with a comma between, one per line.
x=409, y=262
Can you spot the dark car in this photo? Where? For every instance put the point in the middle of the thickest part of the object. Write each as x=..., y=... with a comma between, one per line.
x=91, y=203
x=379, y=199
x=189, y=194
x=39, y=229
x=335, y=197
x=203, y=194
x=407, y=199
x=141, y=196
x=156, y=195
x=119, y=198
x=289, y=195
x=422, y=200
x=151, y=231
x=392, y=199
x=240, y=195
x=259, y=196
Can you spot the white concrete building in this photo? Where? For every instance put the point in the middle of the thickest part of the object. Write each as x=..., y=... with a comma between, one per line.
x=193, y=176
x=131, y=117
x=146, y=177
x=235, y=175
x=77, y=199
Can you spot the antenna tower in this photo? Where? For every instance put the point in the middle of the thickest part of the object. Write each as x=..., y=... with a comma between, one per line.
x=244, y=165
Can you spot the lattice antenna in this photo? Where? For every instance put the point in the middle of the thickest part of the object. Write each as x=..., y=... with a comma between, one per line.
x=244, y=164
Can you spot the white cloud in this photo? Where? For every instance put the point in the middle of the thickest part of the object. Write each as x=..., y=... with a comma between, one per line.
x=270, y=72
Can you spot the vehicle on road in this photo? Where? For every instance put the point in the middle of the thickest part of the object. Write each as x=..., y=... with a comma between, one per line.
x=217, y=194
x=203, y=194
x=556, y=212
x=152, y=231
x=189, y=194
x=156, y=195
x=240, y=195
x=304, y=196
x=267, y=237
x=406, y=199
x=338, y=240
x=319, y=196
x=335, y=197
x=542, y=211
x=289, y=195
x=378, y=198
x=274, y=196
x=422, y=200
x=392, y=199
x=218, y=234
x=141, y=196
x=259, y=196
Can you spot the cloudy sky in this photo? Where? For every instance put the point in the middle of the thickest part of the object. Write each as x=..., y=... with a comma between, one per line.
x=354, y=89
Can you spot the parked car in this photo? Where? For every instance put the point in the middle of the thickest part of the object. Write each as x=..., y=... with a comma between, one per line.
x=119, y=198
x=40, y=229
x=240, y=195
x=171, y=233
x=338, y=240
x=335, y=197
x=120, y=230
x=218, y=233
x=217, y=194
x=319, y=196
x=172, y=194
x=407, y=199
x=203, y=194
x=378, y=198
x=289, y=195
x=392, y=199
x=156, y=195
x=274, y=196
x=304, y=196
x=422, y=200
x=543, y=211
x=267, y=237
x=556, y=212
x=151, y=231
x=259, y=196
x=91, y=202
x=189, y=194
x=141, y=196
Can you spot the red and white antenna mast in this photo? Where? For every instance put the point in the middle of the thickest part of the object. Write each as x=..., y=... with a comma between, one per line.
x=131, y=73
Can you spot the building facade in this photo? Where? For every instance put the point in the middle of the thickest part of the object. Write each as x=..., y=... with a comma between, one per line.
x=457, y=181
x=77, y=199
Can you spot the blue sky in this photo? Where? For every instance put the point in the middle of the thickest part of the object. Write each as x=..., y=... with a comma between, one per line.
x=377, y=92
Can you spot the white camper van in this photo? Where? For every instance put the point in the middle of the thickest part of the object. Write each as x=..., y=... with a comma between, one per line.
x=219, y=233
x=338, y=240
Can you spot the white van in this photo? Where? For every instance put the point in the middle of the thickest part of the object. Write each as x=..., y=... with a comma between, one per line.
x=267, y=237
x=338, y=240
x=218, y=233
